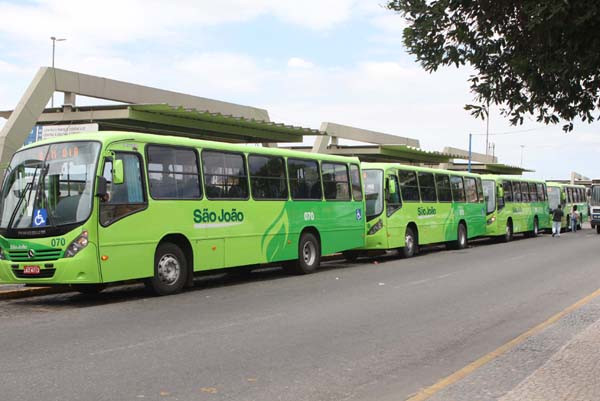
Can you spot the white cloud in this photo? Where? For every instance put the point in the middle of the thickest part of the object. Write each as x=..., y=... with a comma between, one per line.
x=296, y=62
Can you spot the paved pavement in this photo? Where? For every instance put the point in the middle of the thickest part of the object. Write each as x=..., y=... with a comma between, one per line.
x=363, y=331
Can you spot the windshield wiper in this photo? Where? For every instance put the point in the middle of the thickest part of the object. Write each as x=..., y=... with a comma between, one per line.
x=26, y=192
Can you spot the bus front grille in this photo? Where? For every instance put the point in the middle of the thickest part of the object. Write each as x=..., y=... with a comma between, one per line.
x=22, y=255
x=44, y=273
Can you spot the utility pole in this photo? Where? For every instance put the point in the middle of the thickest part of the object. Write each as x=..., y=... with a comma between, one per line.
x=54, y=39
x=487, y=128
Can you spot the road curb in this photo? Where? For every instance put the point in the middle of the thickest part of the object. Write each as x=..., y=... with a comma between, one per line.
x=32, y=292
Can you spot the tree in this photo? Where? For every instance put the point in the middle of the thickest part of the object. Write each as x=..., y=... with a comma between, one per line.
x=531, y=57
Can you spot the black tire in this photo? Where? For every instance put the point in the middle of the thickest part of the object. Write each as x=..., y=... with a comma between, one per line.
x=536, y=229
x=509, y=233
x=351, y=256
x=89, y=289
x=309, y=255
x=462, y=240
x=597, y=229
x=411, y=243
x=170, y=270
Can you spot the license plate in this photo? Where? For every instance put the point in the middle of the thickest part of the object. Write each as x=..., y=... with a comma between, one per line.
x=31, y=270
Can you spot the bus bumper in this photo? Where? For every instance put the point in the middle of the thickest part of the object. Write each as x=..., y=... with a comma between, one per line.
x=80, y=269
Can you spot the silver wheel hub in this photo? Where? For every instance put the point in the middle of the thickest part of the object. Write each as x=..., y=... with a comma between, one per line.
x=410, y=242
x=168, y=269
x=309, y=253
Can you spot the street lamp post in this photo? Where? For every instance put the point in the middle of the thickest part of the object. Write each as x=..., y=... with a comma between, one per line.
x=54, y=39
x=522, y=146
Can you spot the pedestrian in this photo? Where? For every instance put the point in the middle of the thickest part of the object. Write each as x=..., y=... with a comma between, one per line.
x=574, y=218
x=557, y=216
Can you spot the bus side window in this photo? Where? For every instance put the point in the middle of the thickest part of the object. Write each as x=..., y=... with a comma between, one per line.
x=480, y=190
x=409, y=186
x=394, y=202
x=442, y=182
x=458, y=189
x=335, y=181
x=355, y=181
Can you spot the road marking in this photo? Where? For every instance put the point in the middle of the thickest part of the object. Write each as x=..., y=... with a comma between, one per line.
x=470, y=368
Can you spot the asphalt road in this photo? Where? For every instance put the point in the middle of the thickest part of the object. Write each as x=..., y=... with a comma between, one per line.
x=362, y=331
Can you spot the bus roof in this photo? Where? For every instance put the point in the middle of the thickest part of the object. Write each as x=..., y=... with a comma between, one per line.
x=561, y=185
x=498, y=178
x=114, y=136
x=385, y=166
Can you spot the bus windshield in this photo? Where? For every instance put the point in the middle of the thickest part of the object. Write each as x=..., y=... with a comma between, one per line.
x=553, y=197
x=596, y=195
x=49, y=185
x=489, y=194
x=373, y=192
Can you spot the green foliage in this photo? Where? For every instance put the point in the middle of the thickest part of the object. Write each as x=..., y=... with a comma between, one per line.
x=531, y=57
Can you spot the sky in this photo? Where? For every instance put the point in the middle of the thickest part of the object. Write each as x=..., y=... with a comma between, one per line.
x=306, y=62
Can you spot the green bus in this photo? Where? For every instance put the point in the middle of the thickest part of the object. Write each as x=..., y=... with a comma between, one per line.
x=568, y=195
x=91, y=209
x=515, y=205
x=409, y=206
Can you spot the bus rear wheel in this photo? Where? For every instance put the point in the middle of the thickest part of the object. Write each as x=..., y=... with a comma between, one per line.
x=309, y=255
x=170, y=270
x=411, y=245
x=598, y=229
x=536, y=228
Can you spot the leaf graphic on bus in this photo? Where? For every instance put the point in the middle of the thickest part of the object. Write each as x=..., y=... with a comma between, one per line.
x=275, y=238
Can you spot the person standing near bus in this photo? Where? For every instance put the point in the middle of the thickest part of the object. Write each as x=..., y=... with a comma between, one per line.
x=557, y=216
x=574, y=218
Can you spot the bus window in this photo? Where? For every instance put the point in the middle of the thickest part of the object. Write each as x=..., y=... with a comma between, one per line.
x=373, y=193
x=595, y=195
x=458, y=188
x=394, y=202
x=480, y=190
x=267, y=177
x=524, y=192
x=569, y=195
x=224, y=175
x=540, y=192
x=508, y=191
x=489, y=193
x=355, y=182
x=427, y=187
x=442, y=182
x=126, y=198
x=554, y=197
x=517, y=192
x=471, y=189
x=173, y=173
x=335, y=181
x=409, y=186
x=533, y=192
x=305, y=180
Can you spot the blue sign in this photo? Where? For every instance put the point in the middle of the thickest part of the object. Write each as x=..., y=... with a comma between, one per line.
x=39, y=217
x=35, y=135
x=358, y=214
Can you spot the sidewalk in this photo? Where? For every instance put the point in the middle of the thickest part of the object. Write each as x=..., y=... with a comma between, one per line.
x=570, y=374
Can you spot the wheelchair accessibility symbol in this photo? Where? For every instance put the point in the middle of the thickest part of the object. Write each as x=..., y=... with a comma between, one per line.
x=39, y=217
x=358, y=214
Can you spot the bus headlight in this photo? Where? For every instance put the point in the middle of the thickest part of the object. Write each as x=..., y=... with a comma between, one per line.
x=492, y=220
x=376, y=227
x=77, y=245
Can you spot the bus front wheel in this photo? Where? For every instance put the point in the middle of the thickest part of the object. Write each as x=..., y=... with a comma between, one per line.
x=410, y=243
x=508, y=234
x=170, y=270
x=309, y=255
x=461, y=238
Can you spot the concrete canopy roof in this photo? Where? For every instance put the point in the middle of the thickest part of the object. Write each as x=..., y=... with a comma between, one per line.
x=490, y=168
x=178, y=121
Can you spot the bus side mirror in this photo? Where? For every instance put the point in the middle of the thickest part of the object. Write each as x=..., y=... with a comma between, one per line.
x=392, y=188
x=500, y=192
x=563, y=196
x=117, y=173
x=102, y=187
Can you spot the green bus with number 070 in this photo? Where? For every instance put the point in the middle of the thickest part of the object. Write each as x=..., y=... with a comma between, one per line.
x=91, y=209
